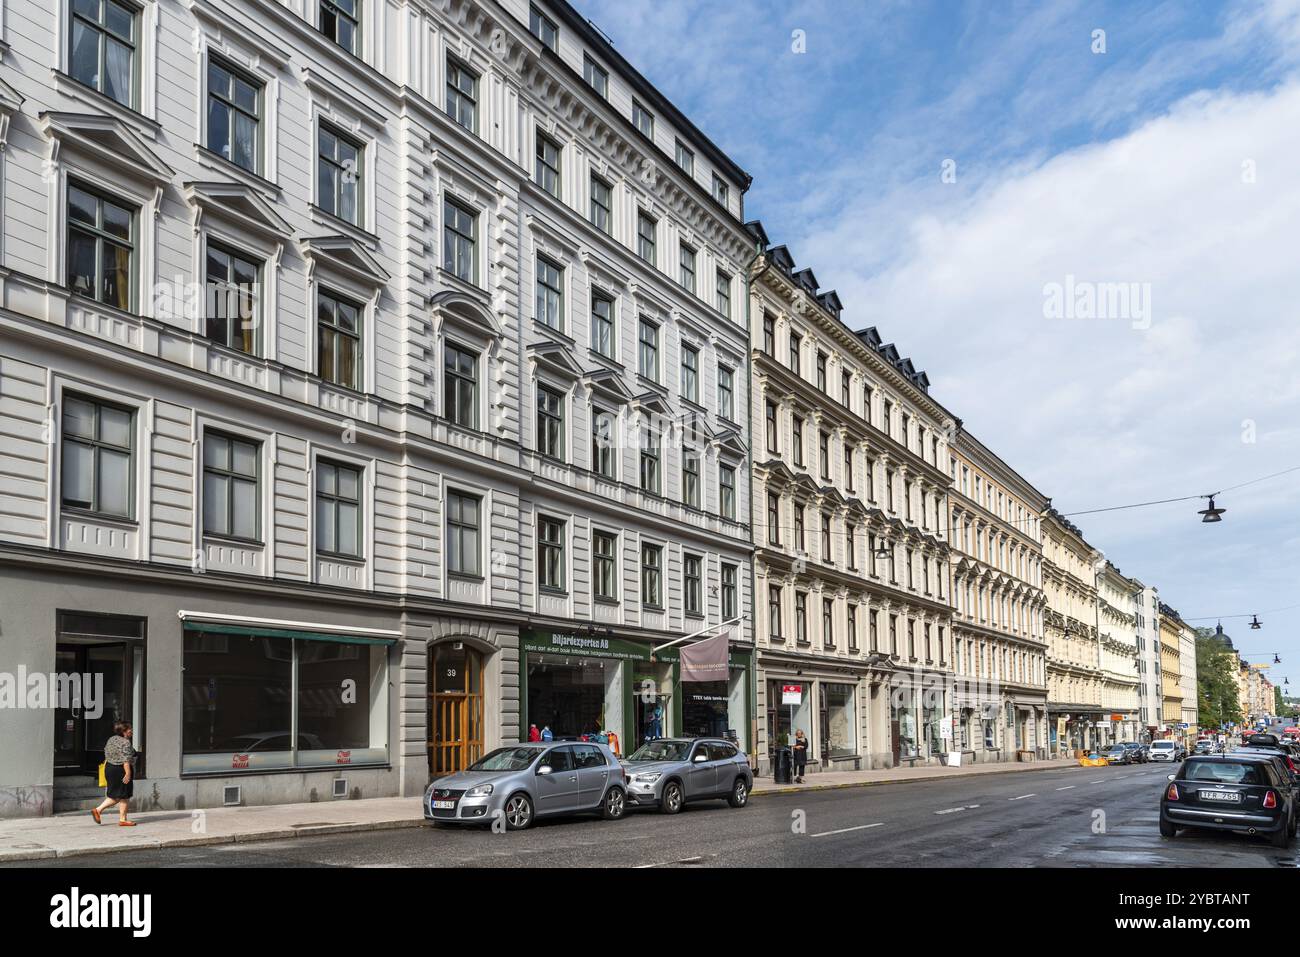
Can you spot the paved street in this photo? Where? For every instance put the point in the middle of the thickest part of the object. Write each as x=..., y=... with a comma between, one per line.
x=1034, y=819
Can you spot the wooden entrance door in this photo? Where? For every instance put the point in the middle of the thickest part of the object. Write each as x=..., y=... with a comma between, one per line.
x=455, y=708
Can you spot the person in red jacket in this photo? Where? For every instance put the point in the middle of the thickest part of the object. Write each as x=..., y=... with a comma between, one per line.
x=533, y=733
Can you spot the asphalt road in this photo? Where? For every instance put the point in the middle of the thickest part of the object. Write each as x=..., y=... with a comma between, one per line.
x=1071, y=817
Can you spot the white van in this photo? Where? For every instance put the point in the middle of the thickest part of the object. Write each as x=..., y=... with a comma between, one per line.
x=1164, y=750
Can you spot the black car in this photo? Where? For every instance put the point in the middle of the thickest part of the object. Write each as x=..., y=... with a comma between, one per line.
x=1136, y=752
x=1231, y=792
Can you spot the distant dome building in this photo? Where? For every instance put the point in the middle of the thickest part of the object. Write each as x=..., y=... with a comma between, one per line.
x=1222, y=636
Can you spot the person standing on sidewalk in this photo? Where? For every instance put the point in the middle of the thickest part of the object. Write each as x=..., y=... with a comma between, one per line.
x=800, y=756
x=118, y=760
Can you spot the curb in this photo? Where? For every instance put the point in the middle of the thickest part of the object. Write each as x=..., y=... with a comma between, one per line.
x=804, y=788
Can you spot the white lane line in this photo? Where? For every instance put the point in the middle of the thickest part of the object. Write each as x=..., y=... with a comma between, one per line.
x=684, y=860
x=1021, y=798
x=951, y=810
x=1098, y=781
x=845, y=830
x=1066, y=788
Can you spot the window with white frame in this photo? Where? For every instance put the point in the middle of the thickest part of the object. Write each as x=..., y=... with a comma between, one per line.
x=338, y=324
x=685, y=157
x=340, y=20
x=602, y=324
x=727, y=491
x=726, y=393
x=692, y=584
x=650, y=461
x=104, y=45
x=604, y=558
x=723, y=301
x=97, y=454
x=721, y=191
x=730, y=592
x=643, y=119
x=652, y=558
x=338, y=509
x=462, y=94
x=691, y=374
x=234, y=115
x=602, y=205
x=648, y=350
x=687, y=263
x=543, y=27
x=547, y=167
x=464, y=551
x=101, y=246
x=550, y=294
x=597, y=76
x=550, y=558
x=230, y=486
x=691, y=478
x=645, y=237
x=460, y=385
x=460, y=240
x=232, y=303
x=340, y=162
x=550, y=422
x=602, y=442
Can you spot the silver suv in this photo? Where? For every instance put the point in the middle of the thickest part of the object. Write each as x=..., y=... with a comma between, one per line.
x=669, y=772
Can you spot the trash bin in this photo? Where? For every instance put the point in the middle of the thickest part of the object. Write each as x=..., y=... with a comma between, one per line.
x=782, y=766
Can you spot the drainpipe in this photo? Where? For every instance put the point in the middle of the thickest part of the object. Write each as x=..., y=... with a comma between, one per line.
x=749, y=440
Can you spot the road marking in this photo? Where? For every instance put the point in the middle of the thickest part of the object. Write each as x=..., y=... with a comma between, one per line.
x=1098, y=781
x=1066, y=788
x=684, y=860
x=845, y=830
x=1021, y=798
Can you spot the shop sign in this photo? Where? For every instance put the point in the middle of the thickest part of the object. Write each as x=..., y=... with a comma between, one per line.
x=584, y=646
x=945, y=728
x=1117, y=717
x=791, y=694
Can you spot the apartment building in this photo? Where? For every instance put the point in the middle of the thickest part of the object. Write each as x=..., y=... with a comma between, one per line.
x=1074, y=677
x=853, y=626
x=1117, y=634
x=1000, y=648
x=372, y=385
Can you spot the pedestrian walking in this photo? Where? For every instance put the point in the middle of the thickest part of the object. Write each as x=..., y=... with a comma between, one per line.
x=119, y=758
x=800, y=756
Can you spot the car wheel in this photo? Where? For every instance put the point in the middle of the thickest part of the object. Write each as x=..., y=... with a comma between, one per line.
x=739, y=795
x=519, y=812
x=1167, y=829
x=1282, y=838
x=672, y=800
x=615, y=805
x=1291, y=829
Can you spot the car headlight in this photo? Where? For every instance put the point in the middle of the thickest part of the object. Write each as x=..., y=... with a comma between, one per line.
x=650, y=777
x=483, y=790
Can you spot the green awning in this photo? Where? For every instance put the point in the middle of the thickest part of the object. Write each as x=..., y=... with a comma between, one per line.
x=261, y=631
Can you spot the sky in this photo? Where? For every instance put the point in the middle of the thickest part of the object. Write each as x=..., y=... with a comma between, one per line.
x=967, y=174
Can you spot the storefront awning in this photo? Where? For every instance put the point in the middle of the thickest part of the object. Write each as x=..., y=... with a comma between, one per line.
x=279, y=631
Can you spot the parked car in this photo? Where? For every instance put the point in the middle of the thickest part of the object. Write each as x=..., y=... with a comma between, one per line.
x=1232, y=792
x=523, y=782
x=670, y=772
x=1136, y=751
x=1204, y=746
x=1165, y=751
x=1117, y=754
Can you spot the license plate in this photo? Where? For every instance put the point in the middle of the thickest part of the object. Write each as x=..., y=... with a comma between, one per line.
x=444, y=805
x=1232, y=796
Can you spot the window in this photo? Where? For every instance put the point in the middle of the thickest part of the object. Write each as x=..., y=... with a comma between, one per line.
x=234, y=116
x=724, y=294
x=721, y=192
x=462, y=95
x=774, y=611
x=230, y=477
x=796, y=444
x=771, y=426
x=643, y=119
x=98, y=457
x=691, y=478
x=601, y=205
x=460, y=386
x=550, y=294
x=691, y=584
x=232, y=284
x=729, y=592
x=645, y=237
x=685, y=158
x=648, y=350
x=769, y=334
x=597, y=76
x=338, y=186
x=602, y=325
x=848, y=467
x=773, y=519
x=550, y=547
x=795, y=343
x=827, y=556
x=338, y=509
x=548, y=165
x=850, y=546
x=550, y=423
x=543, y=27
x=604, y=552
x=459, y=241
x=602, y=443
x=726, y=394
x=687, y=262
x=691, y=374
x=104, y=44
x=463, y=553
x=340, y=20
x=828, y=622
x=846, y=384
x=821, y=371
x=338, y=324
x=853, y=627
x=801, y=617
x=799, y=526
x=727, y=491
x=824, y=453
x=101, y=247
x=650, y=481
x=651, y=575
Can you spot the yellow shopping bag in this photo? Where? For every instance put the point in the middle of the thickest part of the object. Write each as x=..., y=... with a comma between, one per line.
x=103, y=781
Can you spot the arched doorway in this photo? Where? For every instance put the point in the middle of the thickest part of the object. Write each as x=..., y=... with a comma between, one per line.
x=455, y=707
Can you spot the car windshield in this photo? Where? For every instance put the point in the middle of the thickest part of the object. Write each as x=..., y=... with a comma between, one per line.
x=1222, y=772
x=506, y=759
x=1162, y=745
x=661, y=751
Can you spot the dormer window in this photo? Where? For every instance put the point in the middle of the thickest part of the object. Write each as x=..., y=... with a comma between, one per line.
x=685, y=158
x=721, y=191
x=340, y=20
x=597, y=76
x=543, y=27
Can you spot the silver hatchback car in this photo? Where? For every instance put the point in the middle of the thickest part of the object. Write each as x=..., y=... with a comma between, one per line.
x=669, y=772
x=523, y=782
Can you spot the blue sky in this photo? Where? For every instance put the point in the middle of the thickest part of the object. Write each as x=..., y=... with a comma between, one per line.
x=1169, y=161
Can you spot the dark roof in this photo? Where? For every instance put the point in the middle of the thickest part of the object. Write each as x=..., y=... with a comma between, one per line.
x=1222, y=636
x=647, y=91
x=755, y=228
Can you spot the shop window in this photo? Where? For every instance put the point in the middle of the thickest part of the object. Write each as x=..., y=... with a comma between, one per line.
x=571, y=695
x=839, y=720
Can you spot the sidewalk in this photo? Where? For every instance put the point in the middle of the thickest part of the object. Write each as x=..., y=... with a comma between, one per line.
x=66, y=835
